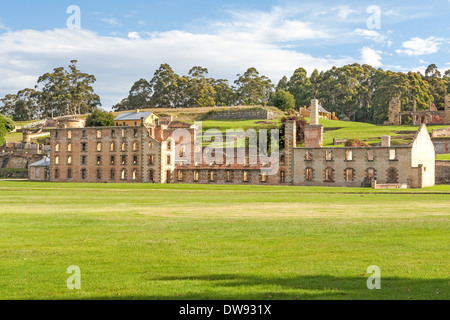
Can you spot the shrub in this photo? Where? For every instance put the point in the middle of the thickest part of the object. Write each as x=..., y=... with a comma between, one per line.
x=356, y=143
x=283, y=100
x=100, y=118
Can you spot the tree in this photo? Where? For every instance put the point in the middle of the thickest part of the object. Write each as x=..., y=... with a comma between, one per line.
x=82, y=97
x=225, y=96
x=66, y=92
x=6, y=125
x=283, y=100
x=300, y=87
x=164, y=86
x=438, y=85
x=100, y=118
x=283, y=84
x=201, y=91
x=139, y=97
x=253, y=89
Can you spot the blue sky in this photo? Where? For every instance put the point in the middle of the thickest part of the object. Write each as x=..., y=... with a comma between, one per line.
x=123, y=41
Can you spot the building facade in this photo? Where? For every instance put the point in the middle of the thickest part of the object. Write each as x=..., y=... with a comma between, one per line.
x=160, y=154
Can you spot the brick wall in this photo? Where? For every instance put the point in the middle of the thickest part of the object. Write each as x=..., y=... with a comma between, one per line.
x=442, y=172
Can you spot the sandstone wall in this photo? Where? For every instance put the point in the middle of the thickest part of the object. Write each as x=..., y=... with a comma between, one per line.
x=244, y=114
x=442, y=172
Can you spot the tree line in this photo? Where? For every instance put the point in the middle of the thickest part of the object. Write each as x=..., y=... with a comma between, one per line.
x=59, y=93
x=169, y=90
x=354, y=92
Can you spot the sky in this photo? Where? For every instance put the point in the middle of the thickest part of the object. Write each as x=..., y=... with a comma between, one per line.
x=121, y=42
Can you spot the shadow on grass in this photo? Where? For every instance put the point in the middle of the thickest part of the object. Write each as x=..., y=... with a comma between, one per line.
x=242, y=287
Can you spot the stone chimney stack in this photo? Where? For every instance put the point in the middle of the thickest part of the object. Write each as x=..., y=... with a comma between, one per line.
x=314, y=132
x=386, y=141
x=314, y=112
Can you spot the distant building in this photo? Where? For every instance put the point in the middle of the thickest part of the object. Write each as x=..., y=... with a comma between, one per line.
x=130, y=119
x=323, y=114
x=40, y=170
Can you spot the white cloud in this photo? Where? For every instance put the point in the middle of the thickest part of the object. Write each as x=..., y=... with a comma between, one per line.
x=370, y=34
x=112, y=22
x=134, y=35
x=392, y=13
x=371, y=57
x=118, y=62
x=344, y=12
x=3, y=27
x=276, y=26
x=418, y=46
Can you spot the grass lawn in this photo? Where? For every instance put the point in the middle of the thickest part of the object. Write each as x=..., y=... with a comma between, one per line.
x=222, y=242
x=339, y=129
x=14, y=137
x=443, y=157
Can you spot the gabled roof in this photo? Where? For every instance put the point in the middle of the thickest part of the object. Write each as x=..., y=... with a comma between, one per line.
x=322, y=109
x=45, y=162
x=130, y=116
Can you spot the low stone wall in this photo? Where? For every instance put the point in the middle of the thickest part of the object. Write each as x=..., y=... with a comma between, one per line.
x=244, y=114
x=442, y=172
x=13, y=174
x=442, y=145
x=441, y=133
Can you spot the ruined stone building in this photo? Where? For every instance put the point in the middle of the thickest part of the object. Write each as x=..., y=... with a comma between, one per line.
x=154, y=153
x=431, y=116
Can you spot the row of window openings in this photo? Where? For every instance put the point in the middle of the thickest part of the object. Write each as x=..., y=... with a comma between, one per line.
x=349, y=155
x=123, y=160
x=212, y=175
x=349, y=174
x=99, y=134
x=99, y=147
x=83, y=174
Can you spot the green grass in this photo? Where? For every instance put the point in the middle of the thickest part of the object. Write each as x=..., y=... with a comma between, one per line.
x=443, y=157
x=14, y=137
x=221, y=242
x=345, y=130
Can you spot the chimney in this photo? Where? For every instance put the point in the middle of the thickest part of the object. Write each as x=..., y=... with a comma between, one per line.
x=386, y=141
x=314, y=112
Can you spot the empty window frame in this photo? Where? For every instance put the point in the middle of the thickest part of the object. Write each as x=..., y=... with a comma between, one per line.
x=196, y=176
x=349, y=174
x=349, y=155
x=329, y=175
x=309, y=174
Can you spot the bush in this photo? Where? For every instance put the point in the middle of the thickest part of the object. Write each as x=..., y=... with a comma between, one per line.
x=356, y=143
x=100, y=118
x=283, y=100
